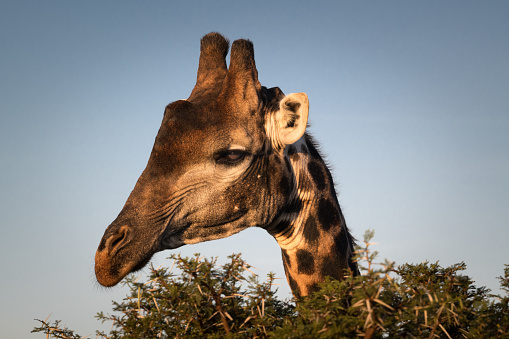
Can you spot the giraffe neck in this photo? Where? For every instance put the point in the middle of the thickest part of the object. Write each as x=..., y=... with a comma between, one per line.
x=312, y=232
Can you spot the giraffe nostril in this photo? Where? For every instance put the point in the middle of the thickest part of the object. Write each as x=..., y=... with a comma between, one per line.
x=116, y=240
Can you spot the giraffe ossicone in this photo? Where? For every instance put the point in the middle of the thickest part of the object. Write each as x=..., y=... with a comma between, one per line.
x=234, y=155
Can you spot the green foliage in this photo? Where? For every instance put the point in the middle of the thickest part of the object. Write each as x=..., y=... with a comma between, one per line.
x=212, y=301
x=410, y=301
x=205, y=300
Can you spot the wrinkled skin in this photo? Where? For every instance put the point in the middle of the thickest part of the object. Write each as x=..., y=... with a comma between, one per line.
x=213, y=170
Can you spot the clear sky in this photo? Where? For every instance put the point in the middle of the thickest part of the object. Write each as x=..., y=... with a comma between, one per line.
x=409, y=100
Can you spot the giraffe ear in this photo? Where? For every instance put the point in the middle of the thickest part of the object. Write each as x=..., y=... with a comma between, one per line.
x=291, y=119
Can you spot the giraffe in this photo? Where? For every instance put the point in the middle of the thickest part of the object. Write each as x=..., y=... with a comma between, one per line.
x=234, y=155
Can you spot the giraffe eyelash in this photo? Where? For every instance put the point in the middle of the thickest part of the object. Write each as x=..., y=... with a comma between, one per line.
x=230, y=157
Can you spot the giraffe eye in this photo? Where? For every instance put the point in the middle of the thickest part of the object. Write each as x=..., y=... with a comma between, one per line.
x=230, y=157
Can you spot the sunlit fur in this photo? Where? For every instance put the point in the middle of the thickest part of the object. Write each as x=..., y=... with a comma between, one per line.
x=233, y=155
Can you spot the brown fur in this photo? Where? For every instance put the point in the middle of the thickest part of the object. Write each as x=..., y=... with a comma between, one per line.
x=215, y=170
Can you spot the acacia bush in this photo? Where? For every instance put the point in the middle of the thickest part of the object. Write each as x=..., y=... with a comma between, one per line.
x=207, y=300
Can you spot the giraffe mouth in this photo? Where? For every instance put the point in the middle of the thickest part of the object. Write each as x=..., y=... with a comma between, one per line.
x=120, y=253
x=109, y=270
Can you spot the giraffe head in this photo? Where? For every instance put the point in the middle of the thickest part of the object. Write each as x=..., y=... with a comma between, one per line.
x=217, y=165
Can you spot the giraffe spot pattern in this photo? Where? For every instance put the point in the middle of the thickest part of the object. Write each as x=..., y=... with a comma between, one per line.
x=329, y=269
x=341, y=243
x=305, y=262
x=317, y=174
x=295, y=157
x=293, y=285
x=292, y=150
x=284, y=186
x=327, y=214
x=311, y=231
x=303, y=149
x=312, y=287
x=344, y=244
x=286, y=259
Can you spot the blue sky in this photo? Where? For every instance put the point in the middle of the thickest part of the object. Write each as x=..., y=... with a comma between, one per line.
x=409, y=101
